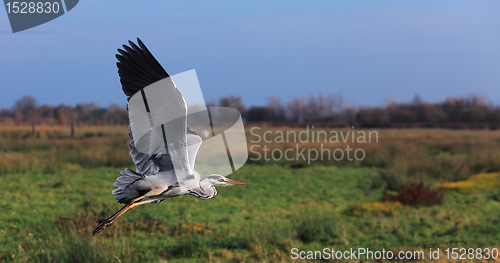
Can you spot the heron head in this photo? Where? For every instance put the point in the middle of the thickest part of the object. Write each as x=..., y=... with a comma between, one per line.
x=219, y=180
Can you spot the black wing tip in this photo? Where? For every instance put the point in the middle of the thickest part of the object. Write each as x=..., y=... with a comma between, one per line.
x=137, y=67
x=139, y=46
x=133, y=45
x=121, y=51
x=127, y=49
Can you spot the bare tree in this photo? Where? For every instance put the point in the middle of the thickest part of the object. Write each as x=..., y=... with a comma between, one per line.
x=65, y=114
x=322, y=108
x=479, y=100
x=46, y=113
x=25, y=110
x=116, y=114
x=348, y=113
x=296, y=108
x=233, y=102
x=390, y=103
x=275, y=110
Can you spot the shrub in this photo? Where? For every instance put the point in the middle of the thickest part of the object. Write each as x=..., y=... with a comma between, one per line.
x=415, y=194
x=316, y=228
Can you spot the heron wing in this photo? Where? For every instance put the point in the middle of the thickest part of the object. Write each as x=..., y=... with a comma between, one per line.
x=149, y=164
x=138, y=69
x=194, y=142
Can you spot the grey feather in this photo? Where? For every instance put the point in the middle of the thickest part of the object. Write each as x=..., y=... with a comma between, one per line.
x=127, y=178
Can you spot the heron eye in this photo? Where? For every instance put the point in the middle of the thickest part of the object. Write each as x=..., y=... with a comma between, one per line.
x=221, y=180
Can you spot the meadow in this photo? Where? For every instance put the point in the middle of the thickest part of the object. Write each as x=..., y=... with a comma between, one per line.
x=55, y=187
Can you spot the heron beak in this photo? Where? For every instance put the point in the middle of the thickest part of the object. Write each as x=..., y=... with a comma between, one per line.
x=233, y=182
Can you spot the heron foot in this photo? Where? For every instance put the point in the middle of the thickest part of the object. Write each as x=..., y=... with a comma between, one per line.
x=101, y=225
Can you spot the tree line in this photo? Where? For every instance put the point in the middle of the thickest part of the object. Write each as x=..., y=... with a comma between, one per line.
x=322, y=110
x=27, y=111
x=473, y=111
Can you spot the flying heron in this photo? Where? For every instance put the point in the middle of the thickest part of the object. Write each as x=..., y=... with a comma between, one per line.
x=165, y=173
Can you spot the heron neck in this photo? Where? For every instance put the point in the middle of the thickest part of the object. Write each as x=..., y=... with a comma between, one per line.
x=206, y=190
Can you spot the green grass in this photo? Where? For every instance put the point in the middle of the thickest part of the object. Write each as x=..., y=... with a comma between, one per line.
x=47, y=215
x=49, y=218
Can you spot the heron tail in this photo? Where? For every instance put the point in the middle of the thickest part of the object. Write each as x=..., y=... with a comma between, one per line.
x=127, y=177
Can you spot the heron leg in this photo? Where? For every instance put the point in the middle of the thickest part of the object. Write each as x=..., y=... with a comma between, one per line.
x=103, y=223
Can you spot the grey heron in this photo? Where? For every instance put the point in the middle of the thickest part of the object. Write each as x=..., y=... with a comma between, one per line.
x=157, y=174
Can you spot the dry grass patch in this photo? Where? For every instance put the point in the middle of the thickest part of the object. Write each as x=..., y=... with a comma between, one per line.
x=476, y=183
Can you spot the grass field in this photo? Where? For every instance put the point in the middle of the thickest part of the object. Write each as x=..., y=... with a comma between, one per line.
x=54, y=188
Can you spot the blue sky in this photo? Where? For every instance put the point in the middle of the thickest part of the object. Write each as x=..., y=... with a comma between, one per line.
x=366, y=50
